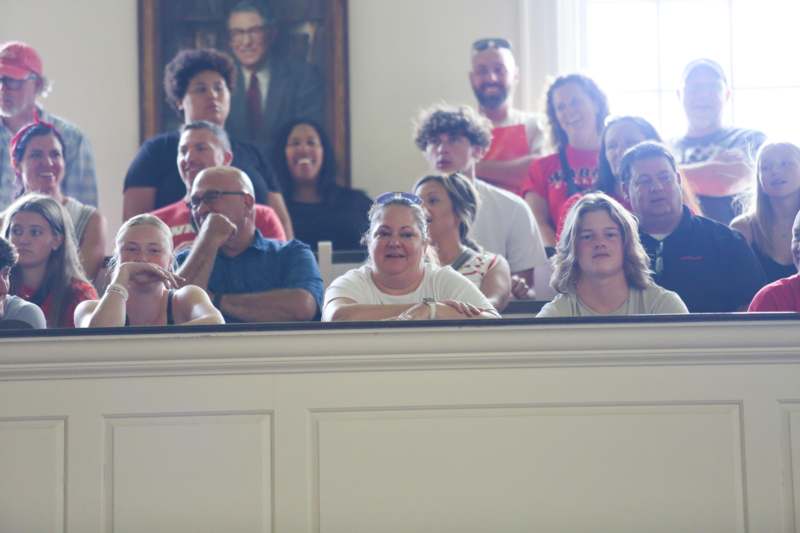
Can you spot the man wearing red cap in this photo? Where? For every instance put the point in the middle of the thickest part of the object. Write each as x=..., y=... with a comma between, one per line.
x=21, y=82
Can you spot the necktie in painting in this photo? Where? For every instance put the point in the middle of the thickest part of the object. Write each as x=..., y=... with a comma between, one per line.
x=254, y=106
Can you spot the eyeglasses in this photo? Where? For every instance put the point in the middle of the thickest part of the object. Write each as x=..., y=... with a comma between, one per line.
x=402, y=197
x=13, y=83
x=209, y=197
x=482, y=44
x=238, y=34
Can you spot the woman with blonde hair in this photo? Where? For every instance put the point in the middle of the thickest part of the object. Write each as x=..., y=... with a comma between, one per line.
x=601, y=268
x=767, y=226
x=143, y=290
x=48, y=272
x=451, y=203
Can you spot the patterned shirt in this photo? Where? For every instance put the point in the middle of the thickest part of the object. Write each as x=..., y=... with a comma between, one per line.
x=79, y=175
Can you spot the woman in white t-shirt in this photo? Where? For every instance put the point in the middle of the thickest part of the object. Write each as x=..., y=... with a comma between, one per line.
x=601, y=267
x=398, y=282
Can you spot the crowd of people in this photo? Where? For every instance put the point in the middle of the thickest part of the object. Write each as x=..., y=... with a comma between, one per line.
x=222, y=217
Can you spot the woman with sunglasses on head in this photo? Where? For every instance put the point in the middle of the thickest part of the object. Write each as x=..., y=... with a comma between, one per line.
x=601, y=268
x=48, y=272
x=576, y=111
x=451, y=203
x=767, y=225
x=37, y=156
x=144, y=291
x=320, y=209
x=398, y=282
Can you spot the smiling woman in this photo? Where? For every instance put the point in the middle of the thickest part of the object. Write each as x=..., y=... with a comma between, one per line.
x=398, y=283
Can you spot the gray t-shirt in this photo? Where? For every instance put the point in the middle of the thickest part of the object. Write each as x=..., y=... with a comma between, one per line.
x=654, y=300
x=24, y=311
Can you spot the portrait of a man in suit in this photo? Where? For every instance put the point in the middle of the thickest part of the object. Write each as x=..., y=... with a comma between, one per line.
x=270, y=89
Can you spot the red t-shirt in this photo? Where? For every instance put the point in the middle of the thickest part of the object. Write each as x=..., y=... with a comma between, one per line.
x=546, y=179
x=780, y=295
x=508, y=142
x=178, y=217
x=80, y=291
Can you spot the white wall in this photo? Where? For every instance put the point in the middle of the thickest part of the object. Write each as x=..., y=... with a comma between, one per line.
x=404, y=56
x=89, y=50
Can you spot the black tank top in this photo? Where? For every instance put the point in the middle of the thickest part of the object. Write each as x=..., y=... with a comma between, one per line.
x=170, y=318
x=772, y=268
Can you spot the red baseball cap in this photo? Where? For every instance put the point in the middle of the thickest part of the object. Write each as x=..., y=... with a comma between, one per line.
x=18, y=60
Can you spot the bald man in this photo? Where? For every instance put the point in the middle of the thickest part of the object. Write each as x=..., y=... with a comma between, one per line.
x=517, y=136
x=250, y=278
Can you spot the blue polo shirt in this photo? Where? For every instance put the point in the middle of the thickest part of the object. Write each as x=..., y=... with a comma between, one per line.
x=266, y=265
x=709, y=265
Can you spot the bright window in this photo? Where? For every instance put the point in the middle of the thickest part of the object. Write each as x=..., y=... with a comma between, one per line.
x=636, y=51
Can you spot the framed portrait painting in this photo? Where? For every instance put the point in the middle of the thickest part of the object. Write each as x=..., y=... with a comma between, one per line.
x=294, y=51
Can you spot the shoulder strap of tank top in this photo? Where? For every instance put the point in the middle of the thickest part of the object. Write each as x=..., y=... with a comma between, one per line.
x=567, y=172
x=170, y=318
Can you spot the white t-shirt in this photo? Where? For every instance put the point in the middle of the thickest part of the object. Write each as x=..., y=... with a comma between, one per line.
x=439, y=283
x=654, y=300
x=505, y=225
x=18, y=309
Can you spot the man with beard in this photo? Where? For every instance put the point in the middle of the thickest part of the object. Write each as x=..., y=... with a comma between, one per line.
x=22, y=81
x=517, y=136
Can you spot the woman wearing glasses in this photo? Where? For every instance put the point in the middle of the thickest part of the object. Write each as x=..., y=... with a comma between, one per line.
x=37, y=156
x=576, y=111
x=143, y=290
x=601, y=268
x=198, y=84
x=451, y=203
x=320, y=209
x=399, y=282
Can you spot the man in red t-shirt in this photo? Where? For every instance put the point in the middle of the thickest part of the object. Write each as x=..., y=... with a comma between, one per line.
x=203, y=145
x=517, y=136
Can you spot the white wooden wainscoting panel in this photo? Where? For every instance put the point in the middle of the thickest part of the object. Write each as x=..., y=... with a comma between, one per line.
x=162, y=469
x=624, y=427
x=32, y=477
x=661, y=468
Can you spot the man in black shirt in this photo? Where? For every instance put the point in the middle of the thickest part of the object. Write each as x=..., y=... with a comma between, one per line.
x=709, y=265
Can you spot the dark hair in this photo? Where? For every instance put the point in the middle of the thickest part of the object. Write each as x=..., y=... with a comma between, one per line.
x=461, y=120
x=187, y=64
x=326, y=181
x=464, y=200
x=8, y=254
x=251, y=6
x=644, y=150
x=558, y=137
x=606, y=180
x=63, y=266
x=19, y=144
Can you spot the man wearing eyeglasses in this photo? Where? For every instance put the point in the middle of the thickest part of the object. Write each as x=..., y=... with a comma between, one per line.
x=709, y=265
x=269, y=90
x=203, y=144
x=249, y=277
x=517, y=136
x=22, y=81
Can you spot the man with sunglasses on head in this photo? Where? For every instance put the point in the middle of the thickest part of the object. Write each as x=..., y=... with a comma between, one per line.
x=709, y=265
x=22, y=81
x=250, y=278
x=269, y=90
x=203, y=144
x=517, y=136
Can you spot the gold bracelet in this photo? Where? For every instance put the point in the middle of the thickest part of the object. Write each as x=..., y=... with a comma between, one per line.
x=116, y=288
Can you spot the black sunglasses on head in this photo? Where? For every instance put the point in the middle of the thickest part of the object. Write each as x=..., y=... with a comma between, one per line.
x=494, y=42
